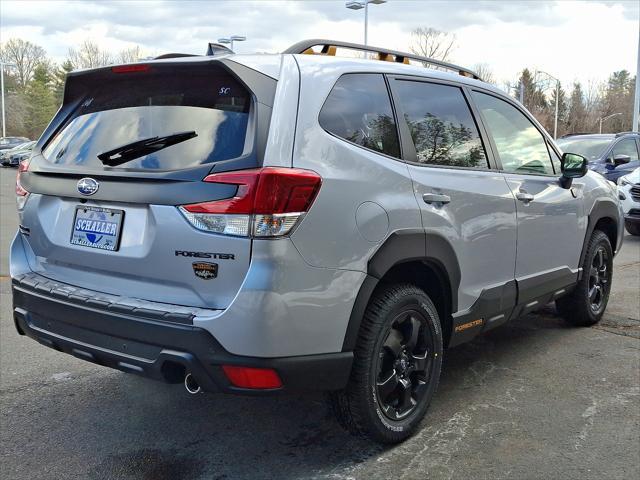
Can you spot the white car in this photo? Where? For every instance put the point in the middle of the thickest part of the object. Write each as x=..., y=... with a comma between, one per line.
x=629, y=194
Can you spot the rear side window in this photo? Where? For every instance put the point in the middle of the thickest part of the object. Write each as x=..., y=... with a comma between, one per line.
x=521, y=146
x=203, y=102
x=441, y=124
x=626, y=147
x=358, y=109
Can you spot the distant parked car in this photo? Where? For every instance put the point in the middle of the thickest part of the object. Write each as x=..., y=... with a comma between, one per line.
x=10, y=142
x=612, y=155
x=13, y=156
x=629, y=194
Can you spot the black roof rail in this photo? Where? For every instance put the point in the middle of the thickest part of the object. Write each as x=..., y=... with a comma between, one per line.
x=217, y=49
x=173, y=55
x=306, y=46
x=620, y=134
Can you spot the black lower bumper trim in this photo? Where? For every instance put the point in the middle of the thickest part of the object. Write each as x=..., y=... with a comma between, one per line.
x=160, y=350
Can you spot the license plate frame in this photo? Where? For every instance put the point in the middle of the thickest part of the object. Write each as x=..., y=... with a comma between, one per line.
x=102, y=230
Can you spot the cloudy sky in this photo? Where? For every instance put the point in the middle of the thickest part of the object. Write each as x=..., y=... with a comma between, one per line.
x=571, y=40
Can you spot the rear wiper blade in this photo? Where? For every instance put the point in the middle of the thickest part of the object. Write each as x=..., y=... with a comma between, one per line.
x=140, y=148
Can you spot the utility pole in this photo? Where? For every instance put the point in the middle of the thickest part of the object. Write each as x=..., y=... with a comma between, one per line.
x=521, y=91
x=636, y=102
x=4, y=123
x=555, y=121
x=357, y=5
x=2, y=65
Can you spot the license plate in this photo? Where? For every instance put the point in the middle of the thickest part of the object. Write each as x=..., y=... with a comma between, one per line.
x=97, y=227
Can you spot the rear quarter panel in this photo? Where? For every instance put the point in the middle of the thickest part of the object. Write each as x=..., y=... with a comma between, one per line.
x=354, y=179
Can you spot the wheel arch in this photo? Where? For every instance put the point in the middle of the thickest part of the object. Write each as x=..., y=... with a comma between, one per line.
x=604, y=216
x=424, y=259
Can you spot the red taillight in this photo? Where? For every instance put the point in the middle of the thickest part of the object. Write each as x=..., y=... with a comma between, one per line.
x=275, y=198
x=130, y=68
x=254, y=378
x=23, y=166
x=21, y=192
x=264, y=190
x=241, y=203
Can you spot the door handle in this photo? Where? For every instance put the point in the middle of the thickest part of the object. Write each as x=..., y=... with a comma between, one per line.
x=524, y=197
x=436, y=198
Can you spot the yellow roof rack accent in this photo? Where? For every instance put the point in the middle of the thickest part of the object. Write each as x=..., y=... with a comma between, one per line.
x=329, y=47
x=326, y=50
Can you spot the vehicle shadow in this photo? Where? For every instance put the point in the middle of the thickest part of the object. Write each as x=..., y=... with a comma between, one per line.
x=113, y=425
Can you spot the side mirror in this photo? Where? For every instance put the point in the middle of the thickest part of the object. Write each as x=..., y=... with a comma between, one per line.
x=621, y=159
x=572, y=166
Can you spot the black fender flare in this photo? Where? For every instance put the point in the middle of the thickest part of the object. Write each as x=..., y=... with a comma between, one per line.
x=601, y=209
x=403, y=246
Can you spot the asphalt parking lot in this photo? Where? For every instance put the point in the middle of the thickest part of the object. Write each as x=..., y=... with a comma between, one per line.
x=532, y=399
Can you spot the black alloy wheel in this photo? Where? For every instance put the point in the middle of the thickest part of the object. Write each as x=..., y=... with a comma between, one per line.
x=599, y=279
x=396, y=365
x=586, y=302
x=404, y=365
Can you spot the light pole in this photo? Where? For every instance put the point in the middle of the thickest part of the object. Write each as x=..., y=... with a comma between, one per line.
x=2, y=65
x=602, y=119
x=636, y=100
x=555, y=121
x=231, y=39
x=358, y=5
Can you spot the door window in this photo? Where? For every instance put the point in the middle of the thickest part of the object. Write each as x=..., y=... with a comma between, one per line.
x=626, y=147
x=520, y=145
x=441, y=124
x=358, y=109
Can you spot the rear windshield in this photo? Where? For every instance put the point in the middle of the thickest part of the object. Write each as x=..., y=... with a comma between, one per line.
x=204, y=102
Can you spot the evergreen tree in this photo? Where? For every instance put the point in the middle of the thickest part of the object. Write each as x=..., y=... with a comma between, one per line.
x=577, y=114
x=59, y=77
x=534, y=98
x=563, y=110
x=41, y=104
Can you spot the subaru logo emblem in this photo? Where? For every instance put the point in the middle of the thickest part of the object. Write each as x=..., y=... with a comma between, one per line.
x=88, y=186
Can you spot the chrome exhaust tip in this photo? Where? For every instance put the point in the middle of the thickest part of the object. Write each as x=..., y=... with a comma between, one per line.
x=191, y=384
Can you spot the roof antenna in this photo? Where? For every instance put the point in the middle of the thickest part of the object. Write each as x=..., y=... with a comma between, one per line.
x=217, y=49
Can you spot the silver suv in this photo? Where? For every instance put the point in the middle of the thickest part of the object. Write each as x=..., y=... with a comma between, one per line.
x=267, y=223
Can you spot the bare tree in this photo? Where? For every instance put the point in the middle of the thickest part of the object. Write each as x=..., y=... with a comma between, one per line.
x=485, y=73
x=89, y=55
x=593, y=94
x=130, y=55
x=25, y=55
x=432, y=43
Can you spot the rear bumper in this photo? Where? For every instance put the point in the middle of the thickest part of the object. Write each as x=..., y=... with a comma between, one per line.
x=143, y=344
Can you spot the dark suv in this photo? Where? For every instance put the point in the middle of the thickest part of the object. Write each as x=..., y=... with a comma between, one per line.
x=612, y=154
x=10, y=142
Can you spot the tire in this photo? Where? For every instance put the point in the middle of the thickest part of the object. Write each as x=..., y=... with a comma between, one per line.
x=632, y=228
x=586, y=304
x=396, y=368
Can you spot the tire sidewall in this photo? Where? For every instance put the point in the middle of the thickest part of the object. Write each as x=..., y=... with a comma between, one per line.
x=420, y=302
x=601, y=240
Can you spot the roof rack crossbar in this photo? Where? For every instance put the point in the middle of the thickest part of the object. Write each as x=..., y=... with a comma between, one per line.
x=400, y=57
